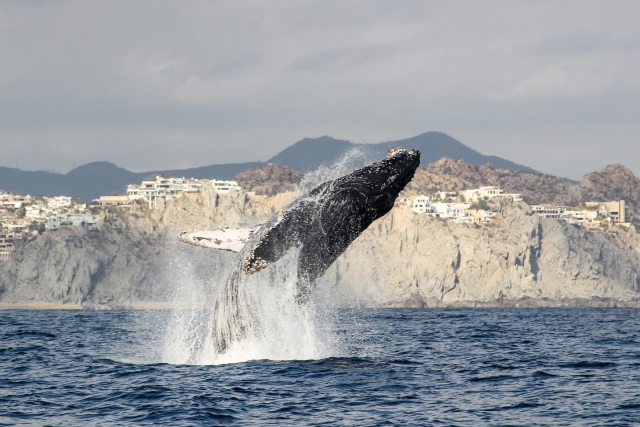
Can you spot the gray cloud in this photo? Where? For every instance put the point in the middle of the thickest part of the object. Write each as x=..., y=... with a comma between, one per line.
x=155, y=84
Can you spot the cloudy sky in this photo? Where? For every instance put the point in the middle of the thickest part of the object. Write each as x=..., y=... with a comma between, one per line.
x=154, y=84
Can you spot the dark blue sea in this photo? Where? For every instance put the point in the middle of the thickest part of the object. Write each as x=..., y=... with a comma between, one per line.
x=441, y=367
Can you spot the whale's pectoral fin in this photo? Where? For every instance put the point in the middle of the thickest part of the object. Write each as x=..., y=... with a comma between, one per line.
x=226, y=239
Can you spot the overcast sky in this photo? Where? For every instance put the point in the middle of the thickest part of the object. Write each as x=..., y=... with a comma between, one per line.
x=153, y=84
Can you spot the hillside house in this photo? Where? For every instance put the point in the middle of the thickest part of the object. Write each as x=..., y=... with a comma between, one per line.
x=421, y=204
x=83, y=220
x=162, y=188
x=221, y=186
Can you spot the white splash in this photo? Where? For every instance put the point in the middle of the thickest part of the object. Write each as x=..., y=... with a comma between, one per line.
x=257, y=315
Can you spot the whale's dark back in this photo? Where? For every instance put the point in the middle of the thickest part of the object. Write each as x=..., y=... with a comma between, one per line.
x=327, y=219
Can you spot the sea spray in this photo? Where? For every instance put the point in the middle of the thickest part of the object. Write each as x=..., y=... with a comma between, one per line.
x=239, y=317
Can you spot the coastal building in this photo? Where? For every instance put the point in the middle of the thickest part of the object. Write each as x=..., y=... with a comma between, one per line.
x=516, y=197
x=162, y=188
x=404, y=201
x=580, y=215
x=448, y=210
x=221, y=186
x=16, y=224
x=547, y=210
x=421, y=204
x=34, y=211
x=121, y=201
x=617, y=211
x=59, y=202
x=488, y=192
x=482, y=193
x=479, y=216
x=84, y=220
x=9, y=242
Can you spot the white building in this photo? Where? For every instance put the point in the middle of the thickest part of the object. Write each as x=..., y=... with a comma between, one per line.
x=59, y=202
x=488, y=192
x=9, y=242
x=221, y=186
x=84, y=220
x=448, y=210
x=548, y=211
x=421, y=204
x=16, y=224
x=480, y=216
x=581, y=215
x=34, y=211
x=162, y=188
x=515, y=196
x=482, y=193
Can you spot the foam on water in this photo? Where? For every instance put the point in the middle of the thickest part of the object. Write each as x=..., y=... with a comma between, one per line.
x=257, y=316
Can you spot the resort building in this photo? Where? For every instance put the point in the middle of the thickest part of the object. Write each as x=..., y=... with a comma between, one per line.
x=581, y=215
x=121, y=201
x=34, y=211
x=59, y=202
x=221, y=186
x=448, y=210
x=616, y=211
x=482, y=193
x=421, y=204
x=479, y=216
x=16, y=224
x=548, y=211
x=83, y=220
x=488, y=192
x=9, y=242
x=162, y=188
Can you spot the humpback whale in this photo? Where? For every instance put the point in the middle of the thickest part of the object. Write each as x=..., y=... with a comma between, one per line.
x=320, y=224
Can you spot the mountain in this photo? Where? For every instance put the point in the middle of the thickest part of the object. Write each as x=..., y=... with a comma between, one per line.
x=95, y=179
x=310, y=153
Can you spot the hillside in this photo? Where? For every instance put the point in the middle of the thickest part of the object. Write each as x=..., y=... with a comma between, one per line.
x=95, y=179
x=454, y=175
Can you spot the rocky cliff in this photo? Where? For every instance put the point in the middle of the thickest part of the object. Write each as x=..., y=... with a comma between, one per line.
x=269, y=180
x=407, y=259
x=403, y=259
x=131, y=254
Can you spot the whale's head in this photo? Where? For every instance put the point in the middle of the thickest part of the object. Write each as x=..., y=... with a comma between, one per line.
x=382, y=181
x=327, y=219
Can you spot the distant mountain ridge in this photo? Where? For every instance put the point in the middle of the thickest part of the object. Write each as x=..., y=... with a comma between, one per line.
x=94, y=179
x=310, y=153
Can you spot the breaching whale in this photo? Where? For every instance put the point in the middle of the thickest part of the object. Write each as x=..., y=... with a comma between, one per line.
x=320, y=224
x=323, y=222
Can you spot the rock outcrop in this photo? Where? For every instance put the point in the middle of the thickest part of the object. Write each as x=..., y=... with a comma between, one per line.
x=611, y=183
x=269, y=180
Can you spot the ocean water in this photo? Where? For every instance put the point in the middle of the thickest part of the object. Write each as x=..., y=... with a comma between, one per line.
x=449, y=367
